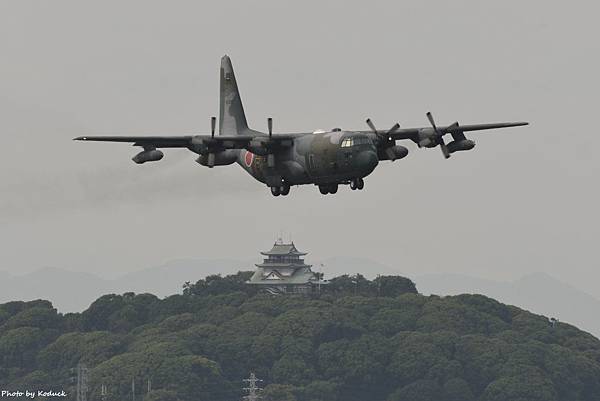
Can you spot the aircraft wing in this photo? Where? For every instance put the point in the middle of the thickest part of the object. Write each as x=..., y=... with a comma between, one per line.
x=416, y=134
x=432, y=136
x=211, y=148
x=191, y=141
x=184, y=141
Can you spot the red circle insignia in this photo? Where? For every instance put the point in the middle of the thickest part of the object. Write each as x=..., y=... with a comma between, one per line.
x=248, y=158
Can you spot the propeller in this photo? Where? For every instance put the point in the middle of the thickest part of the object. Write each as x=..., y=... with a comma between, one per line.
x=383, y=137
x=440, y=136
x=211, y=155
x=270, y=125
x=270, y=156
x=207, y=146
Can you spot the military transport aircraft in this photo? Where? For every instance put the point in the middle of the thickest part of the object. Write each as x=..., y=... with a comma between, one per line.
x=324, y=158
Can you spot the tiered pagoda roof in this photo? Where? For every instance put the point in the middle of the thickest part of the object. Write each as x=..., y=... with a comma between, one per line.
x=283, y=266
x=281, y=249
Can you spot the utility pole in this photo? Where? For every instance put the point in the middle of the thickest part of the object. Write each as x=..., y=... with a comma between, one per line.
x=133, y=388
x=252, y=388
x=320, y=273
x=82, y=382
x=103, y=392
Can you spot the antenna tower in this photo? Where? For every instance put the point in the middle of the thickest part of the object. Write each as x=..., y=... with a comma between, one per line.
x=82, y=382
x=103, y=392
x=252, y=388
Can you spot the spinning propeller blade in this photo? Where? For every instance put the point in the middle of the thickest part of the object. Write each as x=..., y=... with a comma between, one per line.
x=380, y=136
x=270, y=156
x=440, y=136
x=270, y=125
x=371, y=125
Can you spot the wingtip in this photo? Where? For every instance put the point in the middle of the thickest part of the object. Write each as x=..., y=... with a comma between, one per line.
x=517, y=124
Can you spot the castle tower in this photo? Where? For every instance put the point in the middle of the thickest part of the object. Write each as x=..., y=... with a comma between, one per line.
x=284, y=271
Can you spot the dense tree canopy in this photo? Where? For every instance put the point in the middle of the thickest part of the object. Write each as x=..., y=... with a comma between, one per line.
x=359, y=339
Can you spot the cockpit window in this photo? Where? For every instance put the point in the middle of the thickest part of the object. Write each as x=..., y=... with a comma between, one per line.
x=357, y=140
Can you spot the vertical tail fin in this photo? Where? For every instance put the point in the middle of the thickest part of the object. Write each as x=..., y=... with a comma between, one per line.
x=232, y=119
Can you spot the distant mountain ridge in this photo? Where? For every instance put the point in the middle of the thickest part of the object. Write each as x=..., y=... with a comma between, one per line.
x=537, y=292
x=72, y=291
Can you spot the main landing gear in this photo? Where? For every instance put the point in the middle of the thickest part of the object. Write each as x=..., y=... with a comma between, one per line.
x=282, y=190
x=328, y=189
x=357, y=183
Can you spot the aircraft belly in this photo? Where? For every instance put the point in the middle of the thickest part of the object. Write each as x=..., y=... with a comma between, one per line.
x=337, y=169
x=323, y=167
x=339, y=177
x=294, y=173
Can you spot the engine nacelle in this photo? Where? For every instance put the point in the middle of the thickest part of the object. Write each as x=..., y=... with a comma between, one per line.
x=427, y=143
x=263, y=146
x=392, y=153
x=222, y=158
x=150, y=155
x=460, y=145
x=258, y=148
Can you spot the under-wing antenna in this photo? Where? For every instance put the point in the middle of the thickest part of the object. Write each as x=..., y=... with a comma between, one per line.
x=213, y=124
x=440, y=136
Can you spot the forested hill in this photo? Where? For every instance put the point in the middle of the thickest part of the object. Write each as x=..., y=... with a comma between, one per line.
x=359, y=340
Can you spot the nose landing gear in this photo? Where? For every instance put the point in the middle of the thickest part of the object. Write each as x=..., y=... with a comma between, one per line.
x=357, y=183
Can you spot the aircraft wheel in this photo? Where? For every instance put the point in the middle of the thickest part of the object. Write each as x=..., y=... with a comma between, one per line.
x=275, y=191
x=360, y=183
x=333, y=188
x=353, y=185
x=324, y=189
x=285, y=189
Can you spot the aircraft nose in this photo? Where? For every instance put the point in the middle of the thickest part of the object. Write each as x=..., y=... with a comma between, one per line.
x=366, y=161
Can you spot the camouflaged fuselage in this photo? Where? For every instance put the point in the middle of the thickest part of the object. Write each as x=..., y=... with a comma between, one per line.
x=317, y=158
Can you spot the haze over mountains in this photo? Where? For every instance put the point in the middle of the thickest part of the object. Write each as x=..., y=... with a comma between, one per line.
x=74, y=291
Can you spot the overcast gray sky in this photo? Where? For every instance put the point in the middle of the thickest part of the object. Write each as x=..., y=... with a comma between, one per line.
x=524, y=200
